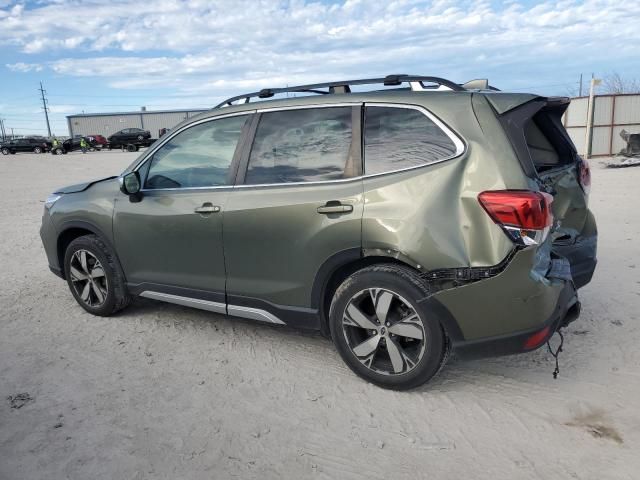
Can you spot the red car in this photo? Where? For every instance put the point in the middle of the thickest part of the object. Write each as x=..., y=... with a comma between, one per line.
x=96, y=141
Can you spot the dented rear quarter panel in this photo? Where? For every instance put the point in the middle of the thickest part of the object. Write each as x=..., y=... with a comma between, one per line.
x=430, y=216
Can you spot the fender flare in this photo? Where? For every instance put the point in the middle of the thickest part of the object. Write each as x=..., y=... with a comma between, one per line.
x=68, y=225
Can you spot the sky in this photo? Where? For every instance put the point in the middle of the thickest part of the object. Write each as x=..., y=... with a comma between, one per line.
x=105, y=56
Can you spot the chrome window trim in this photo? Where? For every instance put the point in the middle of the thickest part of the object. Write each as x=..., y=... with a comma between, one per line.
x=457, y=141
x=174, y=189
x=172, y=134
x=309, y=106
x=298, y=184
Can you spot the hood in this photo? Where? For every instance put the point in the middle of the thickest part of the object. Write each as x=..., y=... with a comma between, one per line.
x=81, y=187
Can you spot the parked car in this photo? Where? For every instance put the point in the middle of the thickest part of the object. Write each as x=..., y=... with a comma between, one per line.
x=163, y=131
x=128, y=136
x=402, y=224
x=68, y=145
x=97, y=141
x=29, y=144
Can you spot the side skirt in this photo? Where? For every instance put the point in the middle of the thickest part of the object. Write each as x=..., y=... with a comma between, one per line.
x=238, y=306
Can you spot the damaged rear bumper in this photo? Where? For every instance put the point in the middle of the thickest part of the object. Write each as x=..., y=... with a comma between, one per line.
x=567, y=309
x=513, y=312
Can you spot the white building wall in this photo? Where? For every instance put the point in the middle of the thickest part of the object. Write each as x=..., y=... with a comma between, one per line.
x=611, y=115
x=109, y=123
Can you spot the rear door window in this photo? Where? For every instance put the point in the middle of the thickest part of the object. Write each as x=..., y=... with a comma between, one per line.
x=199, y=156
x=304, y=145
x=397, y=138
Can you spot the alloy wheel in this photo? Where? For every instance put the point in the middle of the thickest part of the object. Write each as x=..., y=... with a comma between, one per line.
x=383, y=331
x=88, y=278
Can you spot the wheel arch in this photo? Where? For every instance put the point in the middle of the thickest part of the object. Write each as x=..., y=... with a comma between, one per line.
x=338, y=267
x=76, y=229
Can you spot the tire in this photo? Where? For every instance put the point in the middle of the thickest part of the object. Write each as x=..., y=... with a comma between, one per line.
x=58, y=151
x=140, y=137
x=37, y=150
x=417, y=359
x=5, y=151
x=102, y=295
x=132, y=148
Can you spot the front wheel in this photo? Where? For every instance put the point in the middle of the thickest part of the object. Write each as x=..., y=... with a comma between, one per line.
x=381, y=331
x=94, y=276
x=37, y=150
x=58, y=151
x=140, y=137
x=5, y=151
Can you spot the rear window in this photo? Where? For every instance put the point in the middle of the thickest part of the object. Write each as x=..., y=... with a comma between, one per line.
x=547, y=140
x=397, y=138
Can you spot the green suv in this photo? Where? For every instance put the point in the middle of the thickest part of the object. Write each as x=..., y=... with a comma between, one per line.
x=404, y=222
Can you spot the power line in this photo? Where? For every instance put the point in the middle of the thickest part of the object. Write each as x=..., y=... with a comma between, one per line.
x=46, y=110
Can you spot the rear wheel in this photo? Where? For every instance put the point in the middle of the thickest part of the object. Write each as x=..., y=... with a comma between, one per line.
x=94, y=276
x=37, y=150
x=381, y=331
x=132, y=148
x=58, y=151
x=5, y=151
x=140, y=137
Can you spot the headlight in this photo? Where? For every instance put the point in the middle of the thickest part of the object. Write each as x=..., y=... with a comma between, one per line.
x=51, y=199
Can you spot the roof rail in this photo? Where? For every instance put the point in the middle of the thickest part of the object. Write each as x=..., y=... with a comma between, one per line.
x=414, y=81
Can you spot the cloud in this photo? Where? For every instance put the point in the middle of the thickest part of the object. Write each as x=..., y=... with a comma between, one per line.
x=205, y=47
x=24, y=67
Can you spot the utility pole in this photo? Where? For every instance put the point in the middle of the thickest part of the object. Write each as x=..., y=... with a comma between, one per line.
x=46, y=109
x=580, y=94
x=4, y=135
x=590, y=109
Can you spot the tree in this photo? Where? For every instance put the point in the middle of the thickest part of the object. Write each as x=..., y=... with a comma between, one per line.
x=614, y=83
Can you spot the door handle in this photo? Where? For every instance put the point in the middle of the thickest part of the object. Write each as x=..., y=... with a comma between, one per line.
x=207, y=208
x=335, y=207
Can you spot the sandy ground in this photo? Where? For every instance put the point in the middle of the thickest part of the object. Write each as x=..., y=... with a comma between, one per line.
x=165, y=392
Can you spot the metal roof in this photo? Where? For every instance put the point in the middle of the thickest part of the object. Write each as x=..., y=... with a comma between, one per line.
x=137, y=112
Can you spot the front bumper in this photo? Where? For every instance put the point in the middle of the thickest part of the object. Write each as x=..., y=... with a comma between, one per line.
x=49, y=237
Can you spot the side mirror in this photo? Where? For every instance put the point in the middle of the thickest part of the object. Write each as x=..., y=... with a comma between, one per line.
x=130, y=183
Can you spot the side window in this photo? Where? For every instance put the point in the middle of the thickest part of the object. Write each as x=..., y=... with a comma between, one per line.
x=199, y=156
x=397, y=138
x=302, y=146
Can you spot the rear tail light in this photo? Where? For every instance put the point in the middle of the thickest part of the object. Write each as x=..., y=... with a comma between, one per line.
x=584, y=173
x=537, y=339
x=525, y=216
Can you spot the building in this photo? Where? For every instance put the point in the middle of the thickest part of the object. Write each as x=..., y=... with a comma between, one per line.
x=108, y=123
x=611, y=115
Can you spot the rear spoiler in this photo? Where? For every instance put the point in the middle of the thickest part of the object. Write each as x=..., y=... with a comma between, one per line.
x=505, y=102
